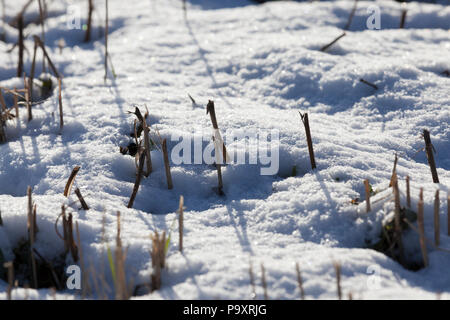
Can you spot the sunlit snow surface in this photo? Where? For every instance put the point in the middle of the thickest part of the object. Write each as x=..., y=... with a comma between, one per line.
x=260, y=64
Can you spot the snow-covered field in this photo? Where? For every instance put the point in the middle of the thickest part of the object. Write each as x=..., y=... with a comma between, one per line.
x=261, y=64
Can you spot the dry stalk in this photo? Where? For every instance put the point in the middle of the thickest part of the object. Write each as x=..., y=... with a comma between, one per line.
x=121, y=284
x=3, y=33
x=420, y=223
x=64, y=237
x=397, y=218
x=42, y=46
x=2, y=120
x=50, y=266
x=27, y=94
x=337, y=268
x=33, y=68
x=21, y=46
x=87, y=35
x=10, y=266
x=16, y=103
x=305, y=121
x=369, y=83
x=34, y=222
x=180, y=222
x=52, y=66
x=403, y=18
x=300, y=281
x=167, y=165
x=437, y=224
x=67, y=237
x=2, y=101
x=367, y=189
x=408, y=193
x=158, y=255
x=184, y=9
x=31, y=226
x=80, y=197
x=429, y=150
x=61, y=117
x=448, y=214
x=326, y=47
x=146, y=130
x=2, y=130
x=106, y=39
x=70, y=239
x=394, y=171
x=252, y=280
x=42, y=18
x=352, y=13
x=221, y=155
x=84, y=276
x=70, y=181
x=138, y=179
x=212, y=112
x=264, y=282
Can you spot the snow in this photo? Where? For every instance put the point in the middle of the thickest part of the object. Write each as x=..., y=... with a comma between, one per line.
x=260, y=64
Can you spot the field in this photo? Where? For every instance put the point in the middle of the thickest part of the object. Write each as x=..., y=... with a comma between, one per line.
x=156, y=80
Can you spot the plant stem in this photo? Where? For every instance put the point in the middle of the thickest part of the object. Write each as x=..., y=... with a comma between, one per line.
x=430, y=156
x=167, y=165
x=367, y=189
x=436, y=219
x=106, y=39
x=326, y=47
x=138, y=179
x=87, y=35
x=305, y=121
x=420, y=223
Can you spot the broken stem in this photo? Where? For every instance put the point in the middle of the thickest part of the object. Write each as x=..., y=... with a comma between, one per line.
x=146, y=130
x=300, y=281
x=21, y=46
x=33, y=66
x=448, y=214
x=337, y=269
x=52, y=66
x=180, y=223
x=305, y=121
x=436, y=219
x=87, y=36
x=326, y=47
x=71, y=180
x=403, y=18
x=369, y=83
x=408, y=194
x=398, y=227
x=367, y=189
x=264, y=283
x=106, y=40
x=9, y=265
x=138, y=179
x=394, y=171
x=352, y=13
x=27, y=97
x=167, y=165
x=61, y=118
x=32, y=235
x=430, y=156
x=80, y=197
x=420, y=223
